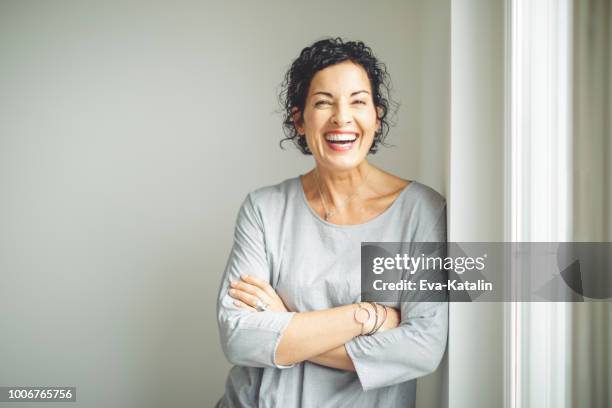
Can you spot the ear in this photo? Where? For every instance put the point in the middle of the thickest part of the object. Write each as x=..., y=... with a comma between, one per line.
x=297, y=120
x=379, y=112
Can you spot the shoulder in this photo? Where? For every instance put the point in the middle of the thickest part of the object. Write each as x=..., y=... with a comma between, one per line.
x=412, y=192
x=427, y=197
x=423, y=205
x=273, y=194
x=272, y=198
x=426, y=211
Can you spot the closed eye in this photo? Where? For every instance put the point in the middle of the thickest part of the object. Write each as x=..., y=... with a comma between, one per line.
x=360, y=102
x=320, y=103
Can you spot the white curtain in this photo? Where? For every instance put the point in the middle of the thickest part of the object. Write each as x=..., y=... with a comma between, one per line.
x=591, y=323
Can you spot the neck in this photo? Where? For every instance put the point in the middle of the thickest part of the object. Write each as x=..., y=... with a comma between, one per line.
x=337, y=186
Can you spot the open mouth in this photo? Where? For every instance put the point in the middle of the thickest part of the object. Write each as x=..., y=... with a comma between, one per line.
x=341, y=141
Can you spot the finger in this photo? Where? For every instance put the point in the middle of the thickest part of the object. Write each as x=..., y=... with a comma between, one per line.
x=244, y=297
x=260, y=283
x=248, y=288
x=243, y=305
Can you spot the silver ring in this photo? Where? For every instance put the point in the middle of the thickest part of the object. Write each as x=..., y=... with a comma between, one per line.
x=261, y=306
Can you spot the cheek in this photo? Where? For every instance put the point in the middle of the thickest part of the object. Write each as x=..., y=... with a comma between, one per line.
x=317, y=118
x=369, y=122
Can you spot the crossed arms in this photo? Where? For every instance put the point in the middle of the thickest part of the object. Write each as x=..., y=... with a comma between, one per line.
x=411, y=345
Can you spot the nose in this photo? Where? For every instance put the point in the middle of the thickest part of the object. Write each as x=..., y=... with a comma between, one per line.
x=341, y=115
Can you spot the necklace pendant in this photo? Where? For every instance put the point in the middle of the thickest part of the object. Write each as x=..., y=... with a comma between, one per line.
x=328, y=215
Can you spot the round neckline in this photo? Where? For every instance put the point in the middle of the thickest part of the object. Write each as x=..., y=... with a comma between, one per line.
x=387, y=210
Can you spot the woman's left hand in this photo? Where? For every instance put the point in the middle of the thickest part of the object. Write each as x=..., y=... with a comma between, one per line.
x=249, y=289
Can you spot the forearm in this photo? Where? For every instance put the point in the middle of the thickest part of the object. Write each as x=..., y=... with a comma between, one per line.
x=335, y=358
x=339, y=357
x=311, y=334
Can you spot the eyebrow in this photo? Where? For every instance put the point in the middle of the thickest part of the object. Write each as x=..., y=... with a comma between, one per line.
x=330, y=95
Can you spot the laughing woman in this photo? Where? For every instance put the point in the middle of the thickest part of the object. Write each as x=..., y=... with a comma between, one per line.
x=290, y=315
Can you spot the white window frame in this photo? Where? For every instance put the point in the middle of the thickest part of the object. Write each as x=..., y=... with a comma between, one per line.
x=538, y=190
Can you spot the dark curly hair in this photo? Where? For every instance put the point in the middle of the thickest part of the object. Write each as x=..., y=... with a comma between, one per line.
x=318, y=56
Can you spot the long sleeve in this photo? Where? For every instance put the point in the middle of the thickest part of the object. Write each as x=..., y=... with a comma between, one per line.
x=248, y=338
x=413, y=349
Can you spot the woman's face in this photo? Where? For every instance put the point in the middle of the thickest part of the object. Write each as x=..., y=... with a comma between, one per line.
x=339, y=119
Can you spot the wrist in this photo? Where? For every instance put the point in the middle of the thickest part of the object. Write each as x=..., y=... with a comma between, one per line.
x=377, y=319
x=366, y=316
x=363, y=316
x=383, y=310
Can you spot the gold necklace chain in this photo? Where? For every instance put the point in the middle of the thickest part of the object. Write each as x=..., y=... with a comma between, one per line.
x=328, y=213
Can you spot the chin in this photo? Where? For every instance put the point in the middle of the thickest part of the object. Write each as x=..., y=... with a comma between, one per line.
x=344, y=163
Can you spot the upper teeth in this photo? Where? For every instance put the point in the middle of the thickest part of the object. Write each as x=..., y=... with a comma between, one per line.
x=340, y=137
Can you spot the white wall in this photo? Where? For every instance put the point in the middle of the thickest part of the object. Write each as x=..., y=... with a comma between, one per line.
x=433, y=145
x=129, y=134
x=476, y=194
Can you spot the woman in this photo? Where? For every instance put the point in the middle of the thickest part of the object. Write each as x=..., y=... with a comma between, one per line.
x=289, y=308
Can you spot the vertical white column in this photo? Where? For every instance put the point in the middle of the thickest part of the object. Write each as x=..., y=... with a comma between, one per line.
x=540, y=174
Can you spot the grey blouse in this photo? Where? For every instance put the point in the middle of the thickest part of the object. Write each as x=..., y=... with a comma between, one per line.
x=314, y=265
